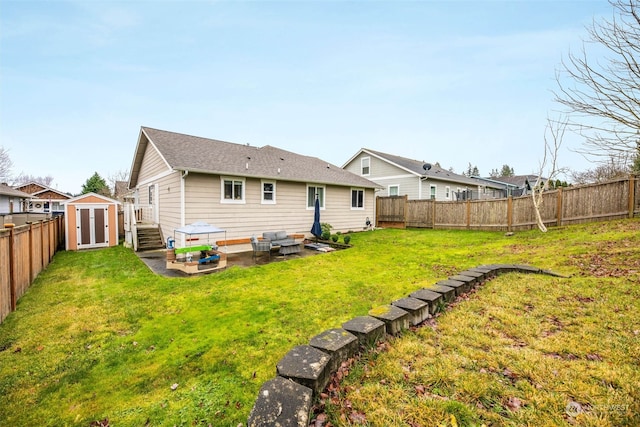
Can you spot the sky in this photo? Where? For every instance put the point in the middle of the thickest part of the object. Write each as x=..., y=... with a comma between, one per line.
x=453, y=82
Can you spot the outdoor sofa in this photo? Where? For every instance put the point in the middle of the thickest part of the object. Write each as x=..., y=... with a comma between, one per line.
x=270, y=239
x=277, y=238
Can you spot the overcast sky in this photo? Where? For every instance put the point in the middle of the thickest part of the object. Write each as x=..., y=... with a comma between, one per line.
x=454, y=82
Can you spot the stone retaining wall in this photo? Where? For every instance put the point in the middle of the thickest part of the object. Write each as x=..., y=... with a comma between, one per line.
x=306, y=370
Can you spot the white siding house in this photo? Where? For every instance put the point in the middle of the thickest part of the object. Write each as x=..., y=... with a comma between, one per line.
x=399, y=176
x=246, y=190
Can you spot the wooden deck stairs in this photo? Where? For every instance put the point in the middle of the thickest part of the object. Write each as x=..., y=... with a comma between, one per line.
x=149, y=238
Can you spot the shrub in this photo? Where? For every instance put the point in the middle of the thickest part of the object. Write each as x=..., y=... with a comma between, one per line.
x=334, y=238
x=347, y=239
x=326, y=230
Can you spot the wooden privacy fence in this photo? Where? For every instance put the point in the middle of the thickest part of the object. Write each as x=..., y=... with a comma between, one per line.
x=568, y=205
x=24, y=252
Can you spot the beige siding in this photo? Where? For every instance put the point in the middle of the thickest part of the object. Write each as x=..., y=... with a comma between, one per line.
x=169, y=203
x=152, y=164
x=290, y=212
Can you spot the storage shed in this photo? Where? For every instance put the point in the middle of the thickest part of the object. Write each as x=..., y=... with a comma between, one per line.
x=91, y=221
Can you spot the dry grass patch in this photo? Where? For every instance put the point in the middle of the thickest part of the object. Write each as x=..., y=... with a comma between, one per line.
x=523, y=350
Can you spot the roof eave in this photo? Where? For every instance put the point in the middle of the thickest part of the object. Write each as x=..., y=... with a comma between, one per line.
x=372, y=185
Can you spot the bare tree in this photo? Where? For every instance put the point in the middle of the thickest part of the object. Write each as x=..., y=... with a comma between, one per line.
x=555, y=130
x=602, y=95
x=613, y=169
x=5, y=165
x=27, y=178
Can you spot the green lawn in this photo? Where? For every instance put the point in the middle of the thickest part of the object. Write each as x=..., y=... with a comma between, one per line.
x=99, y=336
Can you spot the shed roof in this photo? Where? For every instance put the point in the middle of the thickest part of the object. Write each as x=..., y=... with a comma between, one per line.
x=92, y=197
x=197, y=154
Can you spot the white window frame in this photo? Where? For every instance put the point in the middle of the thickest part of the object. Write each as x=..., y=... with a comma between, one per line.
x=262, y=192
x=447, y=192
x=358, y=208
x=234, y=180
x=433, y=191
x=396, y=186
x=368, y=166
x=323, y=199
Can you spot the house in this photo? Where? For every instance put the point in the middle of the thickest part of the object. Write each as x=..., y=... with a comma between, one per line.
x=12, y=200
x=508, y=188
x=401, y=176
x=246, y=190
x=44, y=199
x=517, y=185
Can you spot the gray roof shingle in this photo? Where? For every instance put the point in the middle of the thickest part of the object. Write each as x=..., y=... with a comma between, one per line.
x=5, y=190
x=416, y=166
x=197, y=154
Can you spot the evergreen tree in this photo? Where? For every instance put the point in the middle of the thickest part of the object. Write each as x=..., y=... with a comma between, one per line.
x=96, y=184
x=507, y=171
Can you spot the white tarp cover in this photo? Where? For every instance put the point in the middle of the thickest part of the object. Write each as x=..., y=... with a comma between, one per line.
x=199, y=228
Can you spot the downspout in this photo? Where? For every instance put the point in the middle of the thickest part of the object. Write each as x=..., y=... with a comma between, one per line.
x=183, y=202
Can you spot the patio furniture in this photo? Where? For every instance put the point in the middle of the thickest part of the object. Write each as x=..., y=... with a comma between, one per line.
x=260, y=246
x=277, y=238
x=289, y=248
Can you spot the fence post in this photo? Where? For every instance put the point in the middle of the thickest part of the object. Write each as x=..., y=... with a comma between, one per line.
x=509, y=213
x=41, y=246
x=632, y=198
x=30, y=252
x=559, y=208
x=433, y=215
x=404, y=212
x=12, y=271
x=468, y=214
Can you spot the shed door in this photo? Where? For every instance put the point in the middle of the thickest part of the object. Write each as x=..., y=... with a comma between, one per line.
x=92, y=226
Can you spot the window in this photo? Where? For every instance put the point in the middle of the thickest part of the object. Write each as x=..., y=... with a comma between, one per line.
x=312, y=192
x=357, y=198
x=394, y=190
x=151, y=191
x=447, y=192
x=268, y=192
x=365, y=162
x=433, y=192
x=232, y=190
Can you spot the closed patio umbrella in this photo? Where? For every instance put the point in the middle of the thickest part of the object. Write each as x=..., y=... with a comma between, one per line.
x=316, y=229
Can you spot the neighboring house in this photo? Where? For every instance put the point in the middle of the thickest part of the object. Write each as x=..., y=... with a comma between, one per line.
x=399, y=176
x=121, y=191
x=507, y=188
x=12, y=200
x=246, y=190
x=518, y=185
x=44, y=199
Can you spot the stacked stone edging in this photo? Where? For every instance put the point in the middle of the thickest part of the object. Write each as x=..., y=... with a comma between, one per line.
x=305, y=371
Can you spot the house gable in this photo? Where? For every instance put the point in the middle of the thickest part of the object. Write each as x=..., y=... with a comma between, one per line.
x=40, y=191
x=147, y=160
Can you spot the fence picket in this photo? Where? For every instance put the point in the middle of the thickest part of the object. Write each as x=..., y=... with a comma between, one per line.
x=569, y=205
x=24, y=252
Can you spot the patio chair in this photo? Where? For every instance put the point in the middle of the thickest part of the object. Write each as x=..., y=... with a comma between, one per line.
x=259, y=246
